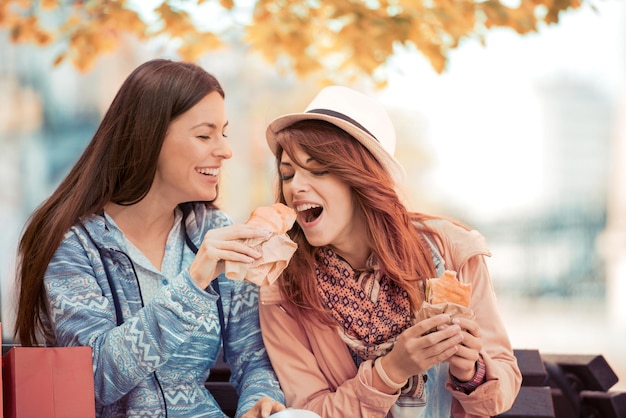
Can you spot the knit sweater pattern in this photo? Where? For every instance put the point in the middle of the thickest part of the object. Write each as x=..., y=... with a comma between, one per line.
x=152, y=359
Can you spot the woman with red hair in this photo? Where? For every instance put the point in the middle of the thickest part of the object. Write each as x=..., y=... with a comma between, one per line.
x=341, y=324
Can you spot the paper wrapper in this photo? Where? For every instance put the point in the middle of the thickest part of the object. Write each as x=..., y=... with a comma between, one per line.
x=453, y=309
x=276, y=249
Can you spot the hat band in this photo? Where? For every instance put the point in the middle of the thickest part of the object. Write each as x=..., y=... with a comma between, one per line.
x=343, y=117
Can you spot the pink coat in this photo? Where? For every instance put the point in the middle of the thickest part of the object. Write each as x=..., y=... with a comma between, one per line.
x=316, y=371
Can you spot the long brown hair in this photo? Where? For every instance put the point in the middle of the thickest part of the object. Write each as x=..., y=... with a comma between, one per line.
x=406, y=258
x=118, y=165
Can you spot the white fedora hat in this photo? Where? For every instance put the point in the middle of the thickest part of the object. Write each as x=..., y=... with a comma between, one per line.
x=361, y=116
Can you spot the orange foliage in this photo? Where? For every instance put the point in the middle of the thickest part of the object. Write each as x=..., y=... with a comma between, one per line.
x=351, y=36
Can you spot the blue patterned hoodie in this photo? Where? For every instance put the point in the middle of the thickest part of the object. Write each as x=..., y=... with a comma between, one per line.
x=152, y=360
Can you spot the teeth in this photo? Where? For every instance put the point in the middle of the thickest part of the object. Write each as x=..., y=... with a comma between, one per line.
x=208, y=171
x=306, y=206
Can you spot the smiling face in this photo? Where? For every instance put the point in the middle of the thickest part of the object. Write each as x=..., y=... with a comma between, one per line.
x=325, y=205
x=192, y=154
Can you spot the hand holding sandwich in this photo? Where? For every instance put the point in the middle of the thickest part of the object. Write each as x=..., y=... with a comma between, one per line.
x=463, y=361
x=256, y=251
x=447, y=294
x=419, y=348
x=224, y=244
x=276, y=248
x=445, y=331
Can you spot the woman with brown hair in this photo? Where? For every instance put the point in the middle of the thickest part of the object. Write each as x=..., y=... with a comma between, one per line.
x=341, y=324
x=127, y=256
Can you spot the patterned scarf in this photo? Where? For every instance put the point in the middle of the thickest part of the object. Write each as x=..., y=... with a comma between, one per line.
x=370, y=308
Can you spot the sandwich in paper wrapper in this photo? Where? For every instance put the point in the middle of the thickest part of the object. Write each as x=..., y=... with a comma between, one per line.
x=446, y=295
x=276, y=249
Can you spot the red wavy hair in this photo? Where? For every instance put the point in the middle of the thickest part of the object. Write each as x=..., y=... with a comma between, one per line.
x=394, y=233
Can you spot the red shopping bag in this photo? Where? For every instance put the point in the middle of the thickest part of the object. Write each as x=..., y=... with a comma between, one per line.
x=48, y=382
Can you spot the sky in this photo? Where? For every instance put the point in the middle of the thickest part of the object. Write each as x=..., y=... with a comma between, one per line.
x=483, y=113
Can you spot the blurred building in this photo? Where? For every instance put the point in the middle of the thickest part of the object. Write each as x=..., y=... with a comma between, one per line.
x=552, y=250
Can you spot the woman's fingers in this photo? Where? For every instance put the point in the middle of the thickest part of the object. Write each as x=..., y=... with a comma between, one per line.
x=230, y=251
x=236, y=232
x=264, y=408
x=231, y=243
x=463, y=363
x=415, y=352
x=428, y=324
x=468, y=325
x=435, y=340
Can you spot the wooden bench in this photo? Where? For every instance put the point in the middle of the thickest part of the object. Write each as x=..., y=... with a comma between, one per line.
x=581, y=386
x=534, y=398
x=223, y=392
x=573, y=386
x=553, y=386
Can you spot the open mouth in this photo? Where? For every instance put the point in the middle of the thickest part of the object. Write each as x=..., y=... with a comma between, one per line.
x=208, y=171
x=309, y=212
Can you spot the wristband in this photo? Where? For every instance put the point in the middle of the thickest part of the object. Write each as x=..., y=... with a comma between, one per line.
x=383, y=376
x=477, y=380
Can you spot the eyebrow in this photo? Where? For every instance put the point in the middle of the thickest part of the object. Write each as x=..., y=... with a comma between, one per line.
x=210, y=125
x=290, y=163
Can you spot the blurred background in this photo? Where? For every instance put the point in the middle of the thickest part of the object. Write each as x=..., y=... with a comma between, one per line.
x=522, y=138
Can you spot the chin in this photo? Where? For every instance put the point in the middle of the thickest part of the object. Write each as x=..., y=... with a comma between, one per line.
x=315, y=241
x=207, y=195
x=202, y=198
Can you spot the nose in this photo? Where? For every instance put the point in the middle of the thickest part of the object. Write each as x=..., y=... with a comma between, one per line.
x=223, y=149
x=298, y=183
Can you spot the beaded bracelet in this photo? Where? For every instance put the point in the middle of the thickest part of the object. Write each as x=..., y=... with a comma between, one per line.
x=383, y=376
